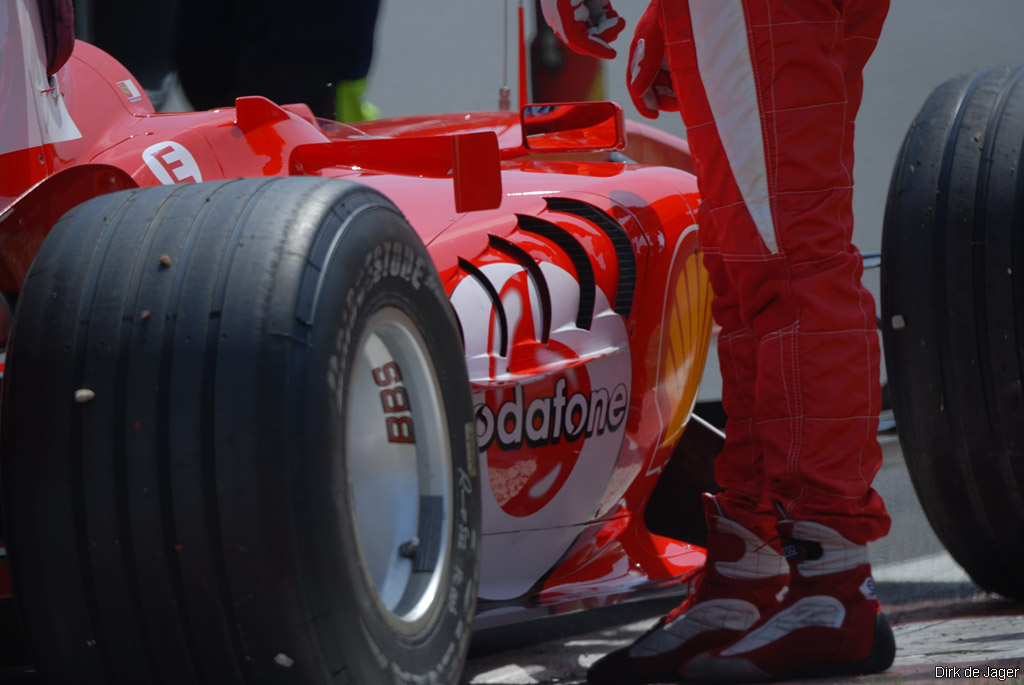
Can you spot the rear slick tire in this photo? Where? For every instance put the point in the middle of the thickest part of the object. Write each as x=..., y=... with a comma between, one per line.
x=953, y=319
x=238, y=443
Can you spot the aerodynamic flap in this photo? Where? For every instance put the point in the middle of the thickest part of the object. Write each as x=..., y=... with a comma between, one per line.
x=471, y=159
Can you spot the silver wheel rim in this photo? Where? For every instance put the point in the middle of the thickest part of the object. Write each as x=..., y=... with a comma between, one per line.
x=400, y=491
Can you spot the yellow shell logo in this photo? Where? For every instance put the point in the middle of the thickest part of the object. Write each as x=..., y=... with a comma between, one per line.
x=686, y=330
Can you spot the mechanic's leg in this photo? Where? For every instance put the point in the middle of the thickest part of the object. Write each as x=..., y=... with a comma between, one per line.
x=820, y=405
x=777, y=187
x=739, y=468
x=744, y=572
x=741, y=580
x=782, y=80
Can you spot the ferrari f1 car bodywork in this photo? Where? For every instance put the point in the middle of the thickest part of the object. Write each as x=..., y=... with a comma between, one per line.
x=257, y=428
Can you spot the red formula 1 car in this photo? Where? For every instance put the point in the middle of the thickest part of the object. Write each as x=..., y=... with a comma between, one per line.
x=293, y=401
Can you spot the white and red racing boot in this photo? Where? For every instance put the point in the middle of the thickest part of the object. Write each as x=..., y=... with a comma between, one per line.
x=829, y=624
x=741, y=579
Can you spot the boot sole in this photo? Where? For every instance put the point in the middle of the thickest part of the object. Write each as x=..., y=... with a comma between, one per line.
x=883, y=652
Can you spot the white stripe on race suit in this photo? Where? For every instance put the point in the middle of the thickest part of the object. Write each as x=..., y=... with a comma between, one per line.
x=713, y=614
x=723, y=58
x=816, y=611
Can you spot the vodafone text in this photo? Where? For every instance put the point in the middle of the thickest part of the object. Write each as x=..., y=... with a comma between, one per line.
x=546, y=420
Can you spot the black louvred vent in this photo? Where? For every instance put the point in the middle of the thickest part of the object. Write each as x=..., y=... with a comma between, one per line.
x=620, y=242
x=576, y=254
x=499, y=309
x=523, y=259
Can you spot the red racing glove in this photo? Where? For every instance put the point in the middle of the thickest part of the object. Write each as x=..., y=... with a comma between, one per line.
x=586, y=26
x=649, y=80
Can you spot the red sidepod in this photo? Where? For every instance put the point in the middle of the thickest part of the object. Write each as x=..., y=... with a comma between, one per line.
x=585, y=313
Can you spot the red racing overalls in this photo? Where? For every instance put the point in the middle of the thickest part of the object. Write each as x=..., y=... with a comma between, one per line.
x=769, y=92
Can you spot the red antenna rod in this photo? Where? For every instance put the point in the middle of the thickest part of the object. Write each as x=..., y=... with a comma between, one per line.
x=504, y=93
x=523, y=94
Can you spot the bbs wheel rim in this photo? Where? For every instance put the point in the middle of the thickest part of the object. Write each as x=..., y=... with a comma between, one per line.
x=399, y=470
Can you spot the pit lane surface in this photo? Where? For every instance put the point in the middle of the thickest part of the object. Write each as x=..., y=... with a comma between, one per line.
x=941, y=619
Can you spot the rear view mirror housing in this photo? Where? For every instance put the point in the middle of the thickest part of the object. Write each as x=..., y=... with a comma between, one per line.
x=573, y=127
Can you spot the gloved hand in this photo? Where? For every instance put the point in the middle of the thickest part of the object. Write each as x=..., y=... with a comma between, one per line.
x=586, y=26
x=649, y=80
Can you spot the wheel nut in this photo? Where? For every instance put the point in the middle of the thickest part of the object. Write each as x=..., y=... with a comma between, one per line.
x=408, y=549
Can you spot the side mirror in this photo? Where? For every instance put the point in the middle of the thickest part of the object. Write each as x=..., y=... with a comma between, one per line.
x=573, y=127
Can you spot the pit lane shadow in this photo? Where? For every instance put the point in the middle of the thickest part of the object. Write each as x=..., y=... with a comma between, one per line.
x=913, y=601
x=561, y=628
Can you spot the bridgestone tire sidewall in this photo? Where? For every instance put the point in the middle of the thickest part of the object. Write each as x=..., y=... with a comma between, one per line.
x=183, y=523
x=359, y=282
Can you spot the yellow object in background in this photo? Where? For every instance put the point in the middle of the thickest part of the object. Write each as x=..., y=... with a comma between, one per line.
x=349, y=103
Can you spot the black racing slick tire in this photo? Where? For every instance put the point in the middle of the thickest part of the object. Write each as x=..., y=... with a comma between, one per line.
x=953, y=319
x=238, y=443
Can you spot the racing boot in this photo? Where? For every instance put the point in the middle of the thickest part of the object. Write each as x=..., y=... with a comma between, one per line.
x=829, y=624
x=742, y=578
